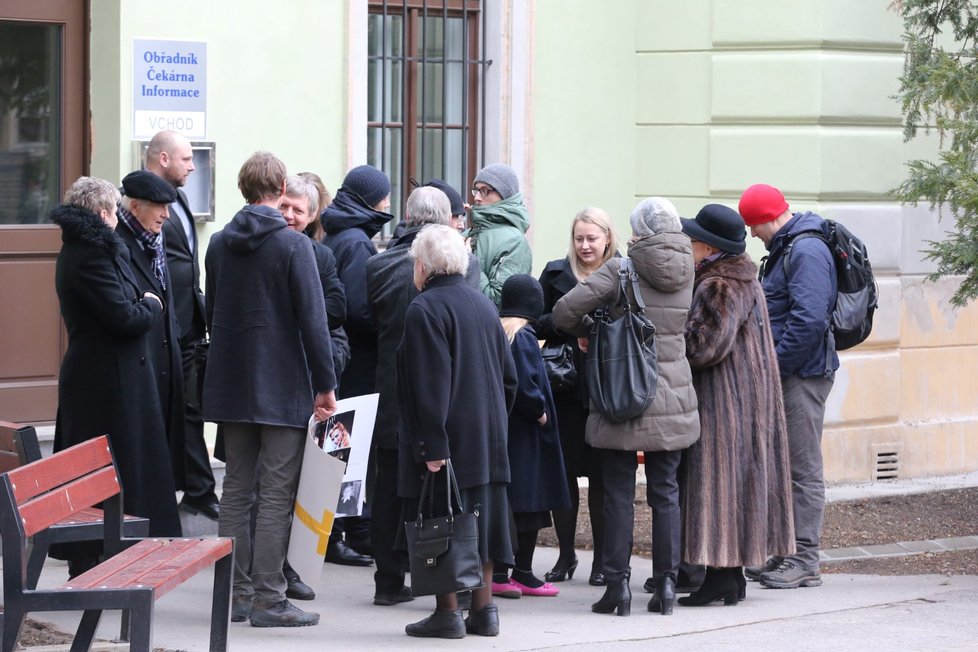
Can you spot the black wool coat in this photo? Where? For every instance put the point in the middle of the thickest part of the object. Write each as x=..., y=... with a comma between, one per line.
x=390, y=289
x=456, y=383
x=107, y=384
x=539, y=482
x=737, y=506
x=270, y=349
x=165, y=352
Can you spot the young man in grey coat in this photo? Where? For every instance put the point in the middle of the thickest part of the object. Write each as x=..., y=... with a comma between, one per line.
x=270, y=364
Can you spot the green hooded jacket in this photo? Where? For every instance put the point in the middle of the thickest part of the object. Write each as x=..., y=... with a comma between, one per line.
x=499, y=242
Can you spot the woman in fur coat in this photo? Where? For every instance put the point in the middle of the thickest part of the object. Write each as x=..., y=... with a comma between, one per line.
x=737, y=502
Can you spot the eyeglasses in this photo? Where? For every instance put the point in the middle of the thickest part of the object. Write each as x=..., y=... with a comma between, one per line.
x=482, y=191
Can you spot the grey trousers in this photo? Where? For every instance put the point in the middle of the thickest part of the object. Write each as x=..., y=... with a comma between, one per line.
x=274, y=455
x=618, y=468
x=804, y=407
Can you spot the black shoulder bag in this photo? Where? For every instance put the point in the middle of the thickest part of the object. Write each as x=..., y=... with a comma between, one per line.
x=443, y=551
x=622, y=364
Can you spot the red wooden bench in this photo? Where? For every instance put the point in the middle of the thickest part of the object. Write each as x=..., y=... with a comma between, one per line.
x=137, y=572
x=18, y=446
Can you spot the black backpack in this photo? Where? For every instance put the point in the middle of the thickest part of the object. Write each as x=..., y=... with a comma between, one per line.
x=852, y=316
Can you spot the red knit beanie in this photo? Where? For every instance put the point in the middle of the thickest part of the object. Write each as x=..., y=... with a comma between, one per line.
x=761, y=203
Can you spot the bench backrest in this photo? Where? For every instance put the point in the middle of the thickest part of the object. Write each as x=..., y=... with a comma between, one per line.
x=56, y=487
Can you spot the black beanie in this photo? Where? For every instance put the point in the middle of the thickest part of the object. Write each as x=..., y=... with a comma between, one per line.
x=522, y=296
x=368, y=184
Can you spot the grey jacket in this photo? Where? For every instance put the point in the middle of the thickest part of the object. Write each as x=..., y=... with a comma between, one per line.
x=664, y=263
x=270, y=346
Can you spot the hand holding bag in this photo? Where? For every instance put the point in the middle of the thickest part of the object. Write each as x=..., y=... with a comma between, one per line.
x=622, y=363
x=558, y=360
x=443, y=551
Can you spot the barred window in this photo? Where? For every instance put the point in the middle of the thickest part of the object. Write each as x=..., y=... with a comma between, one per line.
x=426, y=92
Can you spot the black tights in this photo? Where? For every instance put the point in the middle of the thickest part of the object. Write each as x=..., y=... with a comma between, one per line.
x=526, y=545
x=565, y=522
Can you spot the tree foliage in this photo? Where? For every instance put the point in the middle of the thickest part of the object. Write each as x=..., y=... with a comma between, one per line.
x=939, y=89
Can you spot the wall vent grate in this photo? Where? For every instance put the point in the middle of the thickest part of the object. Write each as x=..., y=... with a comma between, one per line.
x=886, y=461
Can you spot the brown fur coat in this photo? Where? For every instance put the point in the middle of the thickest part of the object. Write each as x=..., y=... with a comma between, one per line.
x=737, y=498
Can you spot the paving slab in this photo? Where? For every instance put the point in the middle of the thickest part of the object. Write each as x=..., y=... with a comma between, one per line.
x=846, y=612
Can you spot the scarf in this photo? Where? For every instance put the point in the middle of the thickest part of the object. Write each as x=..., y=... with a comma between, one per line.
x=151, y=243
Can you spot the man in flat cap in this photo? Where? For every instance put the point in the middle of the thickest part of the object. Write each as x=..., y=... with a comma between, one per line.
x=142, y=213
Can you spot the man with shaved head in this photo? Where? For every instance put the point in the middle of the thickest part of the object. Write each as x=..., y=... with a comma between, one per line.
x=171, y=157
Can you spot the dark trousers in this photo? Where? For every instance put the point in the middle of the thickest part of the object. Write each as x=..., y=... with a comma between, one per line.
x=385, y=522
x=619, y=510
x=199, y=481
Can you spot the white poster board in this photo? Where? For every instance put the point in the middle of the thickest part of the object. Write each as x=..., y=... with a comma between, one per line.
x=331, y=484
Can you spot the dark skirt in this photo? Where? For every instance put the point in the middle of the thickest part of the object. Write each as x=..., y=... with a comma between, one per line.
x=491, y=504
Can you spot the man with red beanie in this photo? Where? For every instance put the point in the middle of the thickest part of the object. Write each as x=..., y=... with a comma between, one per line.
x=800, y=285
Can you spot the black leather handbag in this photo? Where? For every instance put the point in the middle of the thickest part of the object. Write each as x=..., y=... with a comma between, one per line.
x=558, y=360
x=622, y=369
x=443, y=551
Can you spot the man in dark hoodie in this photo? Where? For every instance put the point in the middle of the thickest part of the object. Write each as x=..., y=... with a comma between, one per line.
x=357, y=214
x=269, y=364
x=390, y=289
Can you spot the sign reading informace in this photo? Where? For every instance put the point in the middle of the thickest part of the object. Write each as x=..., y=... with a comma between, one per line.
x=169, y=88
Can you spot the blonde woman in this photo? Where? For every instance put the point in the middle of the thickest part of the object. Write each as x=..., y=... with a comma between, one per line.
x=593, y=242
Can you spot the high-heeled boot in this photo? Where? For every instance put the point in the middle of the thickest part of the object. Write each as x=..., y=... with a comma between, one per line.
x=617, y=597
x=664, y=596
x=738, y=575
x=720, y=584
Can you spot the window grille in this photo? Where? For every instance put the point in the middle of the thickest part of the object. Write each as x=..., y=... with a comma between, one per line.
x=426, y=81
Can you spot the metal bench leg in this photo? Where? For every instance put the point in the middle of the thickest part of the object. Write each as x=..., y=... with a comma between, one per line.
x=221, y=603
x=13, y=621
x=86, y=630
x=124, y=628
x=141, y=624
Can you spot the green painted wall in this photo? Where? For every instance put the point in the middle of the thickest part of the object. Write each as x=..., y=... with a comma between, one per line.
x=583, y=120
x=276, y=80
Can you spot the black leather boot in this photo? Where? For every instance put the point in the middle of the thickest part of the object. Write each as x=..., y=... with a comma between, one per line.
x=738, y=574
x=665, y=595
x=720, y=584
x=617, y=597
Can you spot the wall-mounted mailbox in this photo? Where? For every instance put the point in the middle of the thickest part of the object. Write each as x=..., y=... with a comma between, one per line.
x=200, y=184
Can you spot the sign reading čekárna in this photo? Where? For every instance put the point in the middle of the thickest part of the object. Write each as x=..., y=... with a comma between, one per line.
x=169, y=88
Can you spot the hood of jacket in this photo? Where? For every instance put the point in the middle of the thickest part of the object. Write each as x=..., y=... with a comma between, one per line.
x=81, y=225
x=664, y=261
x=252, y=226
x=508, y=212
x=346, y=212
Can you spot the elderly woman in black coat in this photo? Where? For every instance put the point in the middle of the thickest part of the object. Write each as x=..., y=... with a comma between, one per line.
x=456, y=384
x=107, y=386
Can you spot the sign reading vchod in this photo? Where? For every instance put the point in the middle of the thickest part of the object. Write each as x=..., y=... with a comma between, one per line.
x=169, y=88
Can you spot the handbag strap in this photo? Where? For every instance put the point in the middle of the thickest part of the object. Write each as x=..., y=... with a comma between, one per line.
x=626, y=275
x=451, y=486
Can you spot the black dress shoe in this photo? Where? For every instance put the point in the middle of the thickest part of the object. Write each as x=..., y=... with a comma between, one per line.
x=297, y=589
x=683, y=585
x=337, y=552
x=597, y=579
x=484, y=622
x=206, y=505
x=561, y=572
x=390, y=599
x=441, y=624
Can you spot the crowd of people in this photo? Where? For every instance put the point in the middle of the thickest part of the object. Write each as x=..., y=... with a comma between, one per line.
x=446, y=324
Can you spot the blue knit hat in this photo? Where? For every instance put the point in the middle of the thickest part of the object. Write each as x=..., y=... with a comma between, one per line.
x=501, y=177
x=368, y=184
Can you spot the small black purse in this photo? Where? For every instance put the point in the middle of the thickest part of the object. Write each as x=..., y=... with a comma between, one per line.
x=443, y=551
x=558, y=360
x=622, y=369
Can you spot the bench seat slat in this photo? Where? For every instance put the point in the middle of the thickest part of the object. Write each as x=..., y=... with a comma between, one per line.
x=39, y=513
x=160, y=564
x=90, y=515
x=43, y=475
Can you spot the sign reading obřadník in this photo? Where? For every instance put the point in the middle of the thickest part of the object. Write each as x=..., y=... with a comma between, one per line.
x=169, y=88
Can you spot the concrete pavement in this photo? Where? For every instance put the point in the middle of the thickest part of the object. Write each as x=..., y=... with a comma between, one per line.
x=846, y=612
